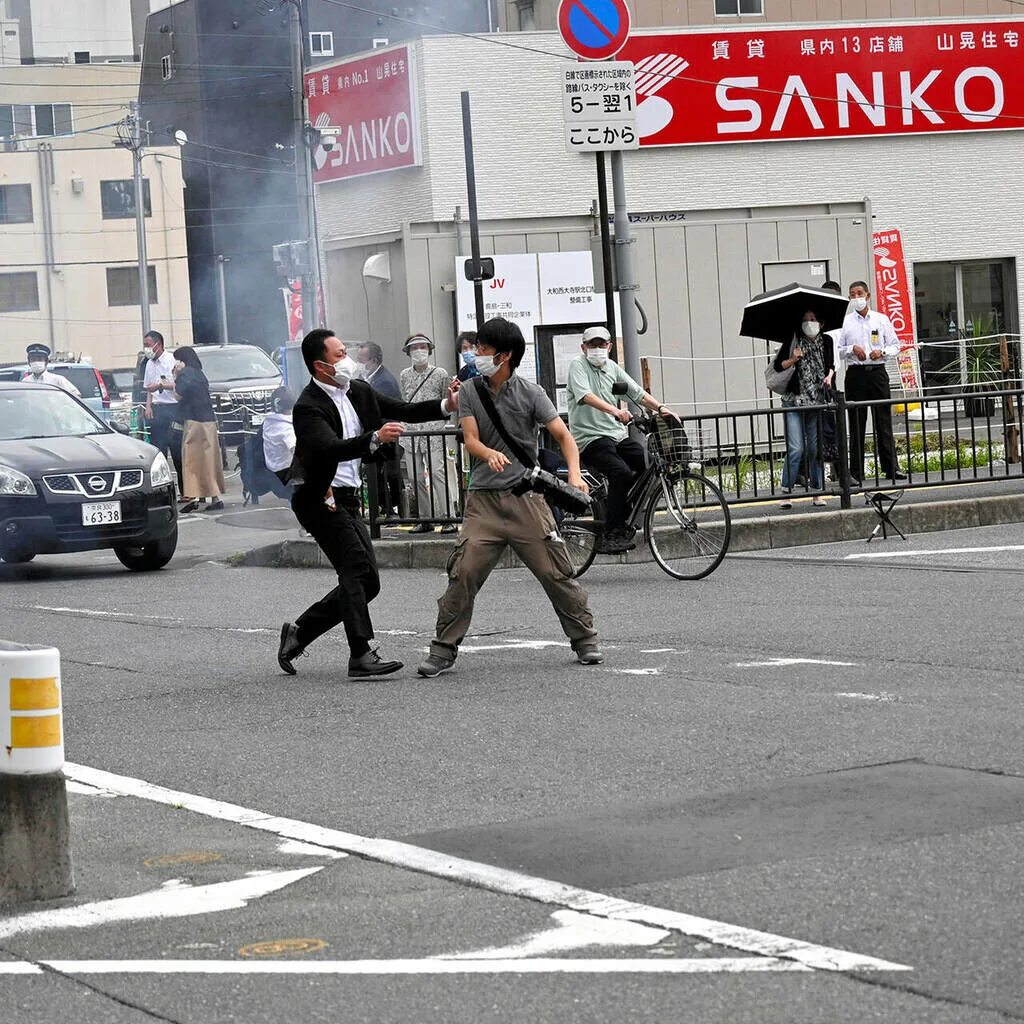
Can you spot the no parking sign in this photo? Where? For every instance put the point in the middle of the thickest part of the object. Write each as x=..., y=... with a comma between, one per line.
x=594, y=29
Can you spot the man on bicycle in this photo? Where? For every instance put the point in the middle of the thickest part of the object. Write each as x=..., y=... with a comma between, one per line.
x=600, y=428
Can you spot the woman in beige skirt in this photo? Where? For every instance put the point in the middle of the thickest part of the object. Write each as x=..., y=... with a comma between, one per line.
x=201, y=464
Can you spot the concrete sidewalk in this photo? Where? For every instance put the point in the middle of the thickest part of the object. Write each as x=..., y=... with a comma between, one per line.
x=754, y=528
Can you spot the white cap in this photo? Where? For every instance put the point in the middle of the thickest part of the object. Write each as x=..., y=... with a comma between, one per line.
x=596, y=334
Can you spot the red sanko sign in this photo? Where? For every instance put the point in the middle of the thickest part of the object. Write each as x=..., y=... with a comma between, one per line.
x=814, y=83
x=371, y=102
x=892, y=290
x=594, y=29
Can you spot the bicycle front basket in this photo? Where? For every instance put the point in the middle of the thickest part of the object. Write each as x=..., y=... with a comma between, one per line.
x=669, y=440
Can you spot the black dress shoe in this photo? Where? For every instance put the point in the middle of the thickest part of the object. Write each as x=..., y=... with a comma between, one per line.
x=423, y=528
x=371, y=664
x=897, y=476
x=290, y=648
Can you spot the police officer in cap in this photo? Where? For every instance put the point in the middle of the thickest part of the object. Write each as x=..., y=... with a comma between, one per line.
x=38, y=358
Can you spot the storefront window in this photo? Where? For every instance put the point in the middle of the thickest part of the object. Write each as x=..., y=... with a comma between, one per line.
x=962, y=310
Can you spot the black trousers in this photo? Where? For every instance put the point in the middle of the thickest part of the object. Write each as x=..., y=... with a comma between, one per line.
x=863, y=385
x=344, y=539
x=164, y=438
x=621, y=463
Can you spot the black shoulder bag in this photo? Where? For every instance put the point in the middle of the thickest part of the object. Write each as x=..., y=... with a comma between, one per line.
x=556, y=491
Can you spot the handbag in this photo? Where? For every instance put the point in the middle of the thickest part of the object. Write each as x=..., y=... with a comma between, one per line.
x=778, y=380
x=555, y=490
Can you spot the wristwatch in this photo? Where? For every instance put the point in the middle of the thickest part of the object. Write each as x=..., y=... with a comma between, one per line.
x=374, y=442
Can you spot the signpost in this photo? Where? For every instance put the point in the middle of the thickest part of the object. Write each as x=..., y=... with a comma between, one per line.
x=599, y=103
x=594, y=29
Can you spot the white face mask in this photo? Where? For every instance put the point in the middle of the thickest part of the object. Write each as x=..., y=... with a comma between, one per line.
x=151, y=353
x=342, y=372
x=811, y=328
x=420, y=356
x=860, y=303
x=597, y=356
x=37, y=368
x=486, y=365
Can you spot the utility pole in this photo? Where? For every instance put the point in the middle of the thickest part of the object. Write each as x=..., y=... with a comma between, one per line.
x=133, y=140
x=627, y=282
x=474, y=221
x=222, y=299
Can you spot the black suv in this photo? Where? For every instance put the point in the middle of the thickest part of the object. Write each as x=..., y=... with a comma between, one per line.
x=242, y=379
x=68, y=482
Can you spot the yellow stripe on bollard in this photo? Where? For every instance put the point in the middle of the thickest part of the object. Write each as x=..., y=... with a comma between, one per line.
x=37, y=731
x=34, y=694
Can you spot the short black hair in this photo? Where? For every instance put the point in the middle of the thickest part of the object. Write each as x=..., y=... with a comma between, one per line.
x=375, y=351
x=155, y=335
x=503, y=336
x=282, y=400
x=314, y=347
x=860, y=284
x=832, y=286
x=187, y=355
x=465, y=336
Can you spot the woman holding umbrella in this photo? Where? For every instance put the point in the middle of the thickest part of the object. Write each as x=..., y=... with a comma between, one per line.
x=811, y=357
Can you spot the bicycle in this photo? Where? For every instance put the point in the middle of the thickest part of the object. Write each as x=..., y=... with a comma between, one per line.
x=685, y=519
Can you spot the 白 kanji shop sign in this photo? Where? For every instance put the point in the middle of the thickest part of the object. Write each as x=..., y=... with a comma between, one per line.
x=371, y=101
x=833, y=82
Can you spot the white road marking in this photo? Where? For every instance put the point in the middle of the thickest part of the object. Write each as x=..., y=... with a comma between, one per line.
x=94, y=613
x=662, y=650
x=571, y=930
x=81, y=787
x=308, y=849
x=786, y=662
x=885, y=698
x=704, y=965
x=636, y=671
x=513, y=645
x=934, y=551
x=173, y=899
x=493, y=879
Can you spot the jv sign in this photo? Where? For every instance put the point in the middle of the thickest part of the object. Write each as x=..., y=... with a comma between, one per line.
x=845, y=81
x=371, y=102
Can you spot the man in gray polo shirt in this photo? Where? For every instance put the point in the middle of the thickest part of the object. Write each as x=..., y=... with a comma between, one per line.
x=495, y=517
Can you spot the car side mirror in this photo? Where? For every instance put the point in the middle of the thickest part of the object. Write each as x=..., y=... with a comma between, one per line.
x=620, y=387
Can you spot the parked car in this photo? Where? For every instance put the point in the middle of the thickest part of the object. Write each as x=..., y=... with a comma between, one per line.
x=242, y=379
x=120, y=411
x=84, y=376
x=69, y=482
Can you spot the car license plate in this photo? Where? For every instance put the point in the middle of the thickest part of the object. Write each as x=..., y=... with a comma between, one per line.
x=257, y=419
x=101, y=513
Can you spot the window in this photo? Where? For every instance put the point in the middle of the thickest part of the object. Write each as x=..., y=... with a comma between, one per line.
x=726, y=7
x=82, y=57
x=321, y=44
x=117, y=198
x=40, y=119
x=19, y=292
x=15, y=204
x=166, y=67
x=123, y=286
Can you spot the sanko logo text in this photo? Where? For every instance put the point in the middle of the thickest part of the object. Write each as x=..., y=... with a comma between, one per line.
x=373, y=141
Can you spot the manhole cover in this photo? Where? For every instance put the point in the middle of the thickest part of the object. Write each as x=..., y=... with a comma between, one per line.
x=195, y=857
x=278, y=947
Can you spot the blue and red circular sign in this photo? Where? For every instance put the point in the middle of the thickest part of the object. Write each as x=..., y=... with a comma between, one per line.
x=594, y=29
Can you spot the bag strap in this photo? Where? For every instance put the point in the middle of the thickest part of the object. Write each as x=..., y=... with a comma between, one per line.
x=426, y=377
x=484, y=394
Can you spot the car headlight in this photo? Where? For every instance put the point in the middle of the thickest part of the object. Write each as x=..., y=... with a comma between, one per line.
x=14, y=483
x=160, y=472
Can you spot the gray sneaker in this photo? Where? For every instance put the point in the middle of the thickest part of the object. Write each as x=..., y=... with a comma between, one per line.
x=434, y=665
x=589, y=655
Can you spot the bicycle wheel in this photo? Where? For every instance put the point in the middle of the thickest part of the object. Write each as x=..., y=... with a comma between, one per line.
x=687, y=526
x=582, y=536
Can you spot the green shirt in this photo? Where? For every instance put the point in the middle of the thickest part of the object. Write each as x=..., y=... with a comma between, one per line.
x=585, y=422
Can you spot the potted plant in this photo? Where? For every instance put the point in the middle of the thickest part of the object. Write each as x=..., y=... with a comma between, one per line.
x=980, y=369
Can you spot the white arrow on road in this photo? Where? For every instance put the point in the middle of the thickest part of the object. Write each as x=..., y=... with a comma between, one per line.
x=173, y=899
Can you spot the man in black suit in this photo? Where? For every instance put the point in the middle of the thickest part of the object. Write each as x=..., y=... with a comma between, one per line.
x=340, y=422
x=370, y=357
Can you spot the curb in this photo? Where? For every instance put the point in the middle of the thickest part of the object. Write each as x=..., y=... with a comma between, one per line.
x=760, y=534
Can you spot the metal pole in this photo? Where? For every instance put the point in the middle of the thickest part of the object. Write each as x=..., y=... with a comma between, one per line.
x=474, y=223
x=303, y=171
x=140, y=216
x=222, y=299
x=606, y=245
x=626, y=275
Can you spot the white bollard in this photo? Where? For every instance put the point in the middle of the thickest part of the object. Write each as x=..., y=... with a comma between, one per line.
x=35, y=852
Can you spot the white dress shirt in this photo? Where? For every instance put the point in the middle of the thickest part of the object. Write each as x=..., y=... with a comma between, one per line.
x=46, y=377
x=157, y=368
x=348, y=471
x=278, y=440
x=857, y=330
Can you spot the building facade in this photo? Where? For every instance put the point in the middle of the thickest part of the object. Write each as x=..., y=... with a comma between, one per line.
x=714, y=223
x=69, y=268
x=54, y=32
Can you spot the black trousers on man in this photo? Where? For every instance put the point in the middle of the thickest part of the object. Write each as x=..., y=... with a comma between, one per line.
x=865, y=385
x=621, y=463
x=164, y=437
x=344, y=539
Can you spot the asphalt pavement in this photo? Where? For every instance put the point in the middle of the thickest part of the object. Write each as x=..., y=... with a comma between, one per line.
x=793, y=793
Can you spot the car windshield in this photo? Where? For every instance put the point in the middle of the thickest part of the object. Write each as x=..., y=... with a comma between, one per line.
x=82, y=375
x=236, y=363
x=32, y=412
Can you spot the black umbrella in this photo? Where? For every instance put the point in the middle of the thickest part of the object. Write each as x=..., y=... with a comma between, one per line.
x=776, y=315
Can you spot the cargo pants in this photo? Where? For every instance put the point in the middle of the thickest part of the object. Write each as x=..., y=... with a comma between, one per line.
x=493, y=521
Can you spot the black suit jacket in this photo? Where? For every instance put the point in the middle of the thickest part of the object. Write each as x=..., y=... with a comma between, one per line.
x=320, y=444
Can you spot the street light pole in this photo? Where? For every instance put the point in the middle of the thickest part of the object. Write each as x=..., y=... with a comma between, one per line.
x=135, y=143
x=222, y=299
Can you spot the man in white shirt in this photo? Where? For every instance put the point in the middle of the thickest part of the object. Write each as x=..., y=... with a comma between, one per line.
x=279, y=434
x=161, y=401
x=38, y=360
x=866, y=339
